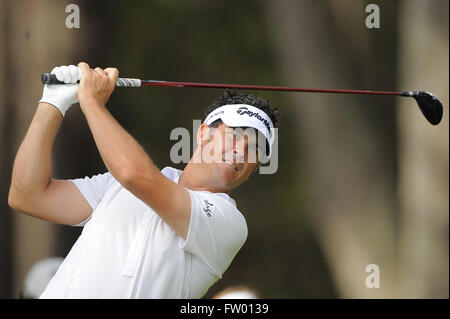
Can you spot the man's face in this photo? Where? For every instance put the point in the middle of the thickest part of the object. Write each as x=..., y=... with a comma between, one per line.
x=231, y=154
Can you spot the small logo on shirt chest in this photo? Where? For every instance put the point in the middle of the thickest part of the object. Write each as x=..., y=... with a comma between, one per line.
x=208, y=208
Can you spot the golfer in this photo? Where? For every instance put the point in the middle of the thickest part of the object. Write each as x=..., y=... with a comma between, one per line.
x=147, y=233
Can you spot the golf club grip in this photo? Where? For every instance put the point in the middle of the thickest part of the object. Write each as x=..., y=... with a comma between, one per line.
x=49, y=78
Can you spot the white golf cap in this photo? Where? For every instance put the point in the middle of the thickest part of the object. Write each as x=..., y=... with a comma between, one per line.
x=244, y=115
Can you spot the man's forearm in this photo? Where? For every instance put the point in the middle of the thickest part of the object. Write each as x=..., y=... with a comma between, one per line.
x=123, y=156
x=32, y=165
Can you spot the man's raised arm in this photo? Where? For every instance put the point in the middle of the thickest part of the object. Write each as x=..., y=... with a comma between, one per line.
x=124, y=157
x=32, y=190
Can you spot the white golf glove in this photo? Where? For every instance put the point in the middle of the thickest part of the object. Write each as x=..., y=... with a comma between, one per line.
x=63, y=96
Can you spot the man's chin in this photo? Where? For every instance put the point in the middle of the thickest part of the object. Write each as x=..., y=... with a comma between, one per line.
x=225, y=175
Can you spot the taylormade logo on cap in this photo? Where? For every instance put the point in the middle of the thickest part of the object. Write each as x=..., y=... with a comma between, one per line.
x=244, y=110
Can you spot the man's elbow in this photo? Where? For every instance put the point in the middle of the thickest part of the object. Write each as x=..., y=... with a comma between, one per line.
x=14, y=200
x=18, y=197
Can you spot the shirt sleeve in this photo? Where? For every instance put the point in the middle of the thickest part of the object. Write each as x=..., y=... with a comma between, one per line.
x=217, y=231
x=93, y=189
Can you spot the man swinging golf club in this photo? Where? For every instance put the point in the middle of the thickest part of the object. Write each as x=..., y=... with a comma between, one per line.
x=147, y=233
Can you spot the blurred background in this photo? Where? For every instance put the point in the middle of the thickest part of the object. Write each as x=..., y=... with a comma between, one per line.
x=361, y=179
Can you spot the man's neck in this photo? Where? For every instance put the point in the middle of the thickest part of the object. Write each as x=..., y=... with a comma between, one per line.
x=194, y=179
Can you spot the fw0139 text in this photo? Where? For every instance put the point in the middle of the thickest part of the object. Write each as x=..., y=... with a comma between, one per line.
x=227, y=308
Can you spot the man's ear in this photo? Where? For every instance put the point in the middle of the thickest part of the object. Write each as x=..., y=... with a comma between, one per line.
x=203, y=134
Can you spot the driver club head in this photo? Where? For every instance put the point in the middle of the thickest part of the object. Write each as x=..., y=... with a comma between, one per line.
x=430, y=106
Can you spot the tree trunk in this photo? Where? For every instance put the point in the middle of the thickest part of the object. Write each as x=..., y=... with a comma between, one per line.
x=423, y=157
x=37, y=40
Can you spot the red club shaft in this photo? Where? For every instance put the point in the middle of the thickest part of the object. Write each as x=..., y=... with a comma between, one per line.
x=259, y=87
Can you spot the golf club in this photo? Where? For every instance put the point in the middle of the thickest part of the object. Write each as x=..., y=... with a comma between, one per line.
x=428, y=103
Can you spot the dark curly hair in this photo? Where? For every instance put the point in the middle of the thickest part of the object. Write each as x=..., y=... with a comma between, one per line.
x=232, y=97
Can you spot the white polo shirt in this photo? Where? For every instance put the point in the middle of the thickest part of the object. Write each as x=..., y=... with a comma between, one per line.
x=127, y=251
